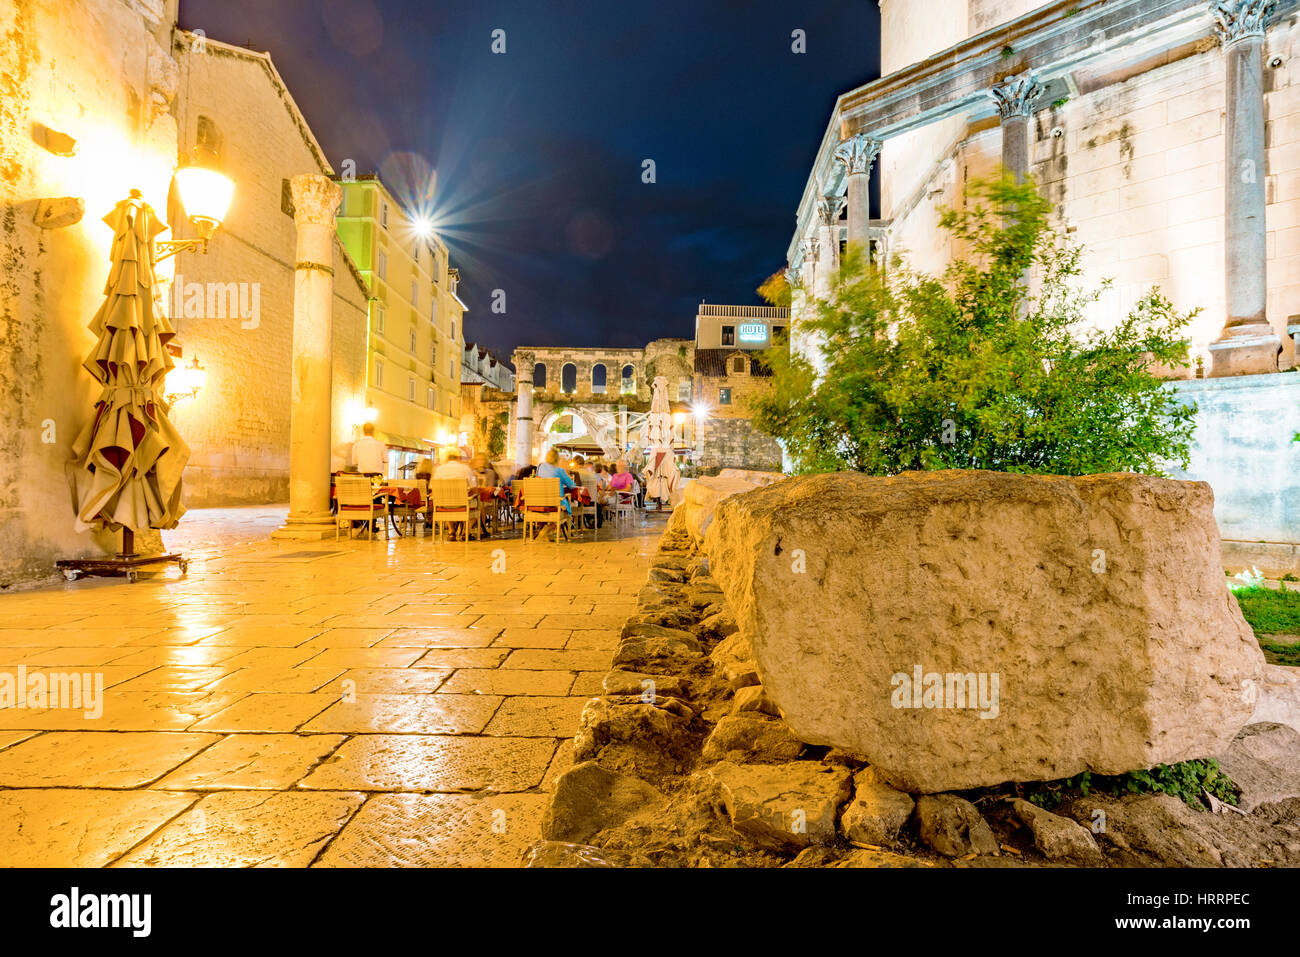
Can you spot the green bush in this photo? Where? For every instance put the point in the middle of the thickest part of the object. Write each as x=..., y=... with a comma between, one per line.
x=978, y=369
x=1186, y=780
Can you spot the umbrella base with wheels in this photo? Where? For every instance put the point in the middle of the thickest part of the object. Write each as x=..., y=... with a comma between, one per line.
x=125, y=565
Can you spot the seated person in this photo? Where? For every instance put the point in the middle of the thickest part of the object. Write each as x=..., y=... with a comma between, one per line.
x=551, y=469
x=453, y=467
x=484, y=473
x=622, y=480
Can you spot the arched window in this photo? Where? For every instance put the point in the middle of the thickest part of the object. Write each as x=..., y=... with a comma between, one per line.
x=598, y=378
x=569, y=378
x=539, y=376
x=629, y=379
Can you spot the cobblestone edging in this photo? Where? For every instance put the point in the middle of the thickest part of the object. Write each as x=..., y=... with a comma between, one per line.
x=683, y=761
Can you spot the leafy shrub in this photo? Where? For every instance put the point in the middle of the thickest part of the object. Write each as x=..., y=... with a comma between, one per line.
x=978, y=368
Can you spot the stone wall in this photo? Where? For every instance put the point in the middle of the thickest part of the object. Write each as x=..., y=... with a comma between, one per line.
x=238, y=426
x=1244, y=450
x=1135, y=165
x=114, y=98
x=735, y=443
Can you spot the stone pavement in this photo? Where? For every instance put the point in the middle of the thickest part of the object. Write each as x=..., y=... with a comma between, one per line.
x=288, y=704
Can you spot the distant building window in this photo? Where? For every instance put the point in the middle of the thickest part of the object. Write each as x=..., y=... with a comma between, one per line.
x=728, y=335
x=430, y=398
x=415, y=252
x=381, y=264
x=415, y=295
x=684, y=390
x=539, y=376
x=777, y=330
x=569, y=378
x=598, y=378
x=383, y=215
x=451, y=368
x=379, y=317
x=738, y=364
x=410, y=389
x=379, y=374
x=724, y=397
x=411, y=338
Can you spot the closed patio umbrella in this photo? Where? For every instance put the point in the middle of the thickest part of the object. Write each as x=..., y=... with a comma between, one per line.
x=661, y=469
x=128, y=460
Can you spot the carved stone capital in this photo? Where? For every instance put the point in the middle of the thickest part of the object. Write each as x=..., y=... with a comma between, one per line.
x=808, y=247
x=1237, y=19
x=315, y=199
x=829, y=209
x=858, y=153
x=1016, y=95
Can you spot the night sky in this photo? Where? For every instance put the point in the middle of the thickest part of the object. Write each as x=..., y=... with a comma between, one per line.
x=538, y=152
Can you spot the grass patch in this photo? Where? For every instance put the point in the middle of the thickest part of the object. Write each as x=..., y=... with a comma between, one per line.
x=1273, y=611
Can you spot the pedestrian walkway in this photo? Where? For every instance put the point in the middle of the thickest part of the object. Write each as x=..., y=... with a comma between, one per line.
x=353, y=703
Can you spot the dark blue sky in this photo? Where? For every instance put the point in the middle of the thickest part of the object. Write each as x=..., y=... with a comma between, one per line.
x=538, y=151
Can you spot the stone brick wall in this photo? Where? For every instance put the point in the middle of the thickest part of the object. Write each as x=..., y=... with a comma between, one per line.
x=1135, y=164
x=114, y=96
x=735, y=443
x=238, y=426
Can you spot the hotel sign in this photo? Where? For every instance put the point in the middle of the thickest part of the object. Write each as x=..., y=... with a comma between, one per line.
x=753, y=332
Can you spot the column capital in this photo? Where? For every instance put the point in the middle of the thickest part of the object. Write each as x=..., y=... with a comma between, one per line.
x=808, y=248
x=858, y=153
x=1238, y=19
x=829, y=209
x=1016, y=95
x=316, y=199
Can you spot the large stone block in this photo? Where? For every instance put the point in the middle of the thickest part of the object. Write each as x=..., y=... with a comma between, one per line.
x=703, y=495
x=960, y=629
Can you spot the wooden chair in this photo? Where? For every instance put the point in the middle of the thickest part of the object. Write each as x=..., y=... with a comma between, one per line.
x=449, y=502
x=356, y=498
x=543, y=504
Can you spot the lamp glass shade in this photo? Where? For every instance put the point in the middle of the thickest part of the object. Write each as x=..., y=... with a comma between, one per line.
x=205, y=194
x=198, y=376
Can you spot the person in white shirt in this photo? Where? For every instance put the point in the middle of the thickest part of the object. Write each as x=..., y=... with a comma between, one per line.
x=455, y=468
x=369, y=455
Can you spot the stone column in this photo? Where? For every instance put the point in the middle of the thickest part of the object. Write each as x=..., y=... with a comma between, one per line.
x=1015, y=97
x=1248, y=343
x=858, y=154
x=315, y=200
x=828, y=242
x=523, y=415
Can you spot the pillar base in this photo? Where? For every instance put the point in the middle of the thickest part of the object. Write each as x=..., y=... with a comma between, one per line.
x=307, y=528
x=1245, y=354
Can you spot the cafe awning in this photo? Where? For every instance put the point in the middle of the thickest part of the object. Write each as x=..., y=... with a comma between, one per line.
x=405, y=443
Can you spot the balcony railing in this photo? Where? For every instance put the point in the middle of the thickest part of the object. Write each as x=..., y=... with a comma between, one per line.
x=745, y=312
